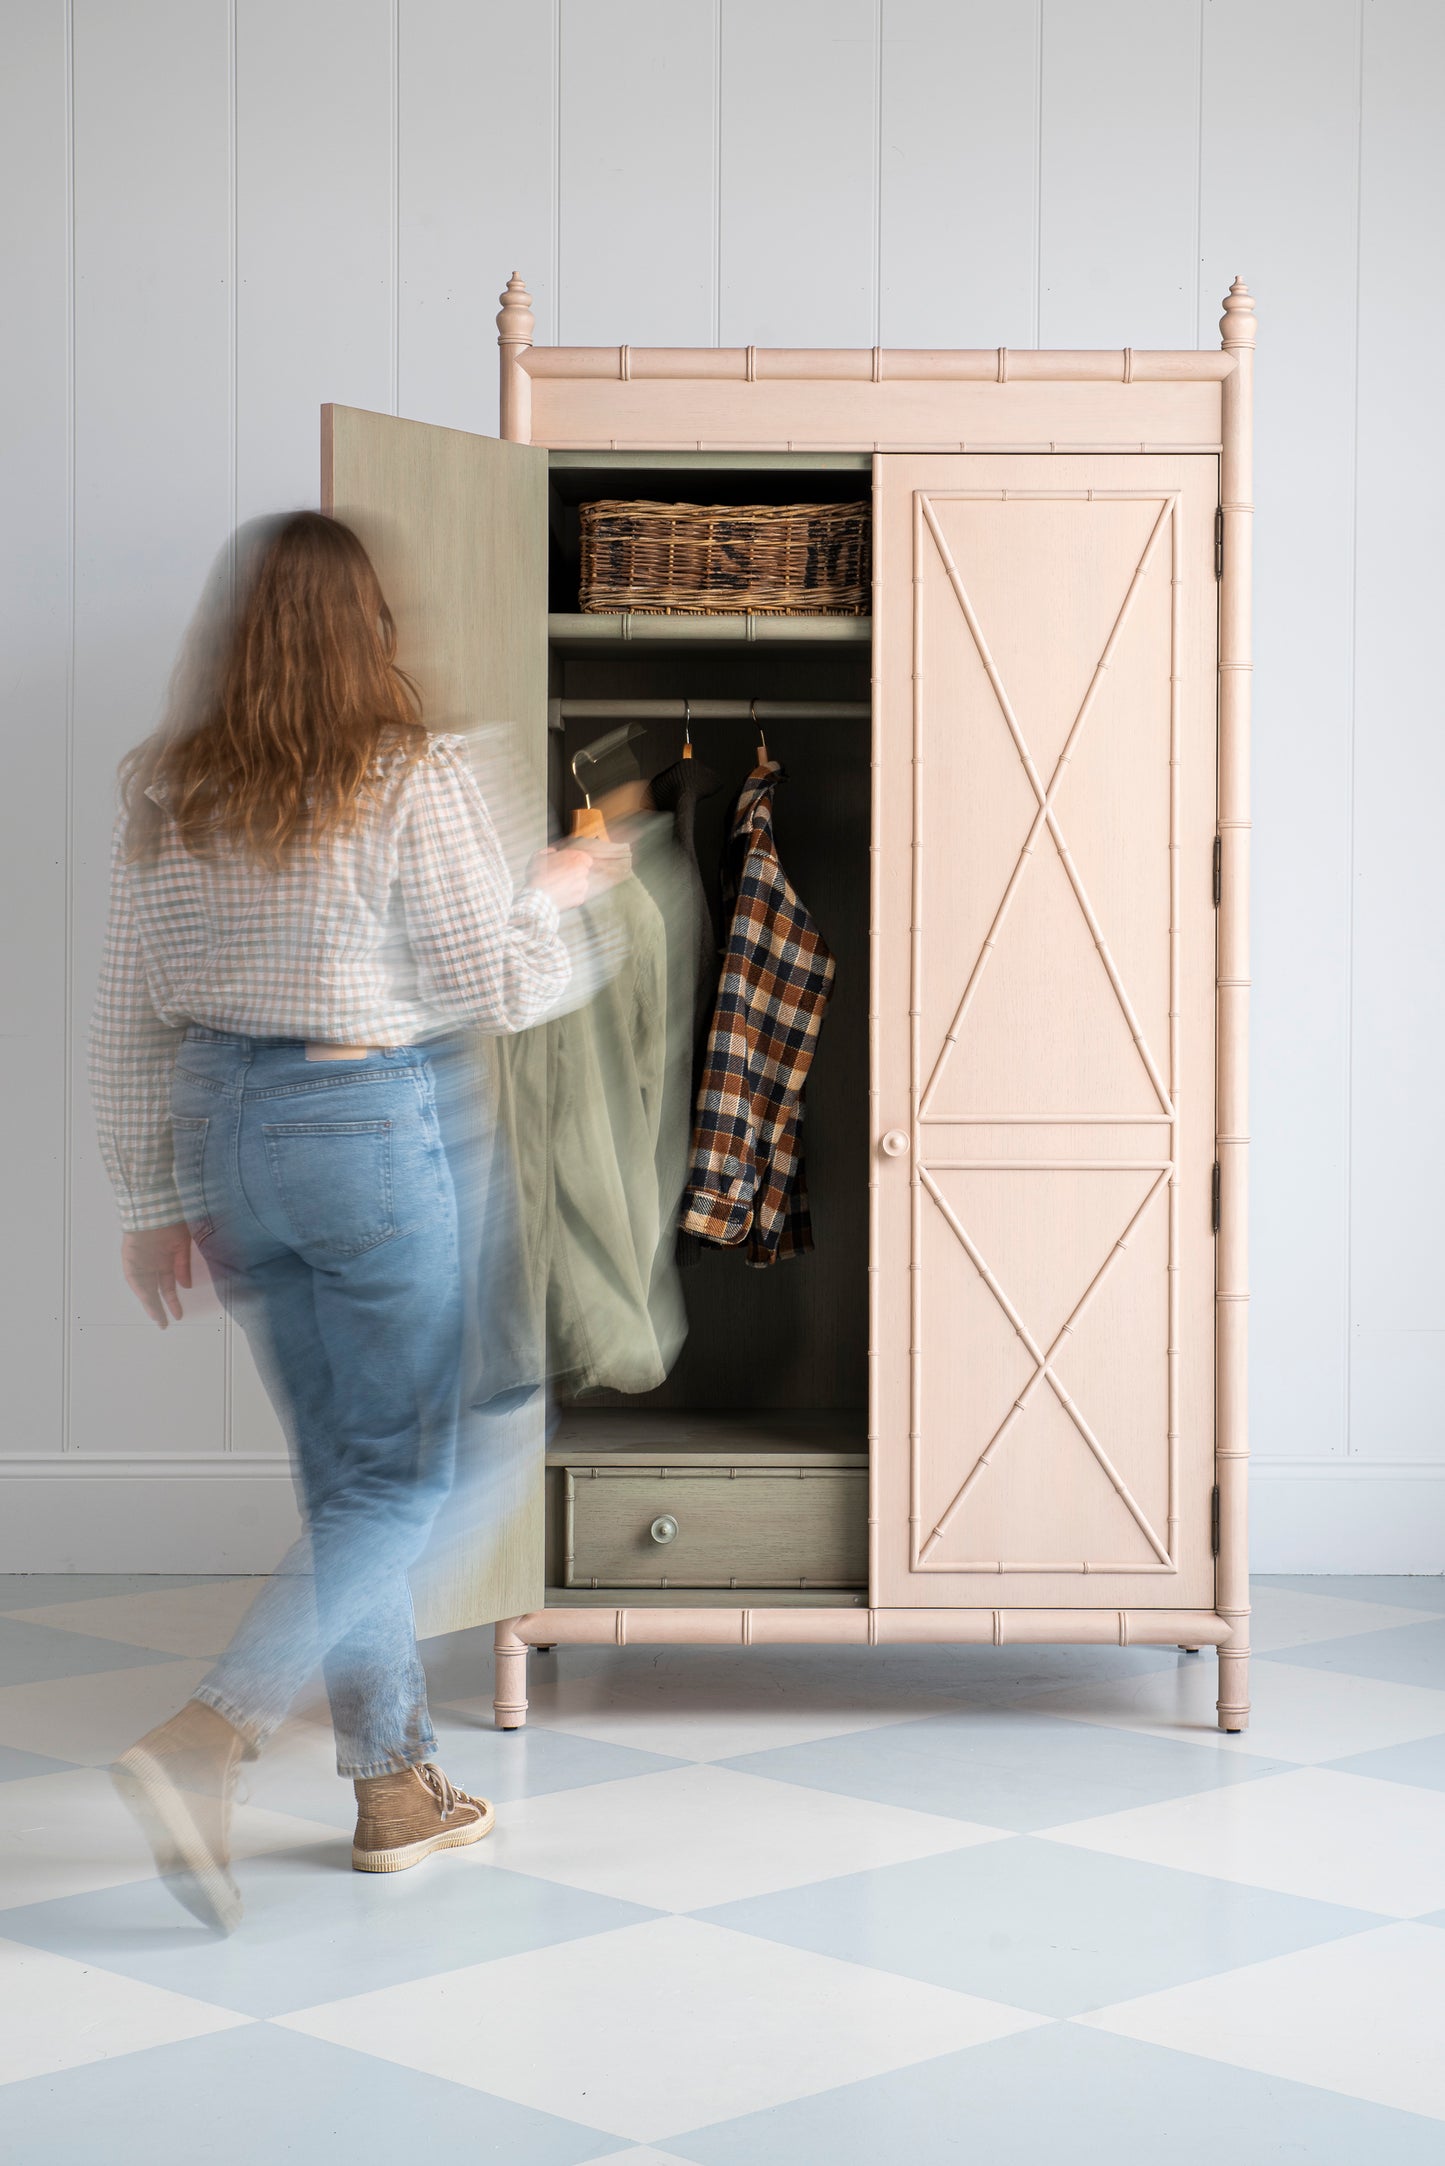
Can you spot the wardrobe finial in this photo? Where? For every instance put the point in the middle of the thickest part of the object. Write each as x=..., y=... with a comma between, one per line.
x=515, y=321
x=515, y=325
x=1236, y=325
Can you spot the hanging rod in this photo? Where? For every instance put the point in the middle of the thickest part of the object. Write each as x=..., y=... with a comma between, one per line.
x=560, y=711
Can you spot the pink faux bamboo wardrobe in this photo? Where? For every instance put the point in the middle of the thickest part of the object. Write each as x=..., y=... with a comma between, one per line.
x=1031, y=1144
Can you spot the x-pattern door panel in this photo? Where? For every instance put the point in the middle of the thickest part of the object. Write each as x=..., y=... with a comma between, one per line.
x=1044, y=1298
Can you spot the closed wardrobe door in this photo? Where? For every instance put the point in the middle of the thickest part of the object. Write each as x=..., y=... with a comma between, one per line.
x=1044, y=1042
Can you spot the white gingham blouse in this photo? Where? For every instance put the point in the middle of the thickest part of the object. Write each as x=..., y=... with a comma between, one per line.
x=404, y=927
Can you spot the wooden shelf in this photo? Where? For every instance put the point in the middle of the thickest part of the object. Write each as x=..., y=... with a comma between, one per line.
x=705, y=1598
x=605, y=632
x=654, y=1435
x=596, y=459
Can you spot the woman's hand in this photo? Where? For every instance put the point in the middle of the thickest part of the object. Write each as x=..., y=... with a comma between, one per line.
x=155, y=1264
x=564, y=873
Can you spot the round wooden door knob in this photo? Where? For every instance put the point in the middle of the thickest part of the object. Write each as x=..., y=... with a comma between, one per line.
x=664, y=1529
x=895, y=1144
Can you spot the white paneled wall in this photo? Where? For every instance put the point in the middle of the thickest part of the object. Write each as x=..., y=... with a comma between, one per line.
x=219, y=213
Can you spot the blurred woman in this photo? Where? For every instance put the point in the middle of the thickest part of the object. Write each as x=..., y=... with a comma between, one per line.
x=307, y=889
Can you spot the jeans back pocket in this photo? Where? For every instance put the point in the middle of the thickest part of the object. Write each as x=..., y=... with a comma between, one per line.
x=188, y=1148
x=333, y=1182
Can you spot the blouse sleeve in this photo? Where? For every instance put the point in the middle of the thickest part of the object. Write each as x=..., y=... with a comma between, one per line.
x=486, y=953
x=132, y=1054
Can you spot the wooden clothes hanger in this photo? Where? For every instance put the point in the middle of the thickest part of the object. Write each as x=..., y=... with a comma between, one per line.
x=587, y=820
x=610, y=754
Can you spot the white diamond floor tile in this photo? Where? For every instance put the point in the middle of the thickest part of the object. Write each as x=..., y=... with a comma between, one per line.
x=659, y=2028
x=1296, y=1714
x=91, y=1720
x=1363, y=2016
x=187, y=1621
x=57, y=2014
x=687, y=1838
x=297, y=1774
x=639, y=2155
x=69, y=1834
x=1282, y=1617
x=644, y=2154
x=718, y=1709
x=1335, y=1838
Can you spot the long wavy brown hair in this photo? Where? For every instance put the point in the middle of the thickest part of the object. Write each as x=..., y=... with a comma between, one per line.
x=285, y=696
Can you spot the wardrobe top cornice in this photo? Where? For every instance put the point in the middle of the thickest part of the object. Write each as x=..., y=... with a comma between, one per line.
x=877, y=398
x=875, y=364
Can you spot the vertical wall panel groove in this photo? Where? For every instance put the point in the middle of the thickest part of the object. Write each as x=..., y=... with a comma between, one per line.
x=634, y=179
x=957, y=123
x=1118, y=174
x=797, y=131
x=228, y=1328
x=394, y=116
x=152, y=504
x=1279, y=207
x=1037, y=281
x=36, y=492
x=554, y=107
x=476, y=202
x=1198, y=283
x=67, y=1148
x=716, y=332
x=1397, y=933
x=1347, y=1183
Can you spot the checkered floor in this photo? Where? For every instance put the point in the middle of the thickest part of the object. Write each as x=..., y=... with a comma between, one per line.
x=763, y=1909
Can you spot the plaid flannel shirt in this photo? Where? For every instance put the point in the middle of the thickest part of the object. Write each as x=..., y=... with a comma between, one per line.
x=405, y=926
x=745, y=1182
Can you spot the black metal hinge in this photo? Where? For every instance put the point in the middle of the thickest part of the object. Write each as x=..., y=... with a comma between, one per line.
x=1214, y=1521
x=1219, y=541
x=1214, y=1198
x=1218, y=880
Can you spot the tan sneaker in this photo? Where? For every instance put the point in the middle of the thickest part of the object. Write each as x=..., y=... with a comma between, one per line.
x=401, y=1819
x=179, y=1781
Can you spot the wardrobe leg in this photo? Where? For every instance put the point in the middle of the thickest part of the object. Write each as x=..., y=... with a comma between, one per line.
x=1234, y=1684
x=509, y=1702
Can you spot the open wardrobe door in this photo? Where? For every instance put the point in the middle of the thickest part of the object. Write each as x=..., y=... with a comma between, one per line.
x=456, y=526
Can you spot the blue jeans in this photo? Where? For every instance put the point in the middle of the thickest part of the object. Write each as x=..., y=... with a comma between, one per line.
x=320, y=1195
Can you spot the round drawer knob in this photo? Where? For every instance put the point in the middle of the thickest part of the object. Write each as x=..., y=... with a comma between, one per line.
x=664, y=1529
x=895, y=1144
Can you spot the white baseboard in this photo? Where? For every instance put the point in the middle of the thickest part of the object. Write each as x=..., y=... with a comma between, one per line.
x=232, y=1512
x=236, y=1512
x=1346, y=1515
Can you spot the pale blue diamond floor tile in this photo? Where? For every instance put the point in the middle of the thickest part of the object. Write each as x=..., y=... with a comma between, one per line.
x=1049, y=2098
x=458, y=1665
x=32, y=1590
x=1421, y=1762
x=1006, y=1767
x=297, y=1774
x=315, y=1931
x=265, y=2097
x=17, y=1766
x=1420, y=1591
x=36, y=1654
x=989, y=1674
x=505, y=1764
x=1039, y=1926
x=1403, y=1655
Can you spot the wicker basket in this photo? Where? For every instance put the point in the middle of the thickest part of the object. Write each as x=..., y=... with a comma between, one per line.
x=776, y=560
